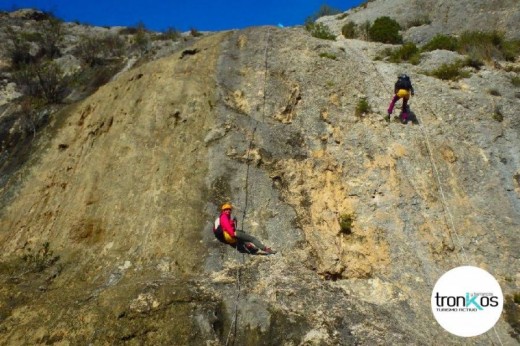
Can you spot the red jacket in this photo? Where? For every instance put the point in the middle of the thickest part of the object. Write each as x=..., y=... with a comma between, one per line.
x=227, y=224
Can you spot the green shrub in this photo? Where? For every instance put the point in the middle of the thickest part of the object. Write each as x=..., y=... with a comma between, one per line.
x=364, y=30
x=362, y=107
x=385, y=53
x=415, y=59
x=45, y=81
x=407, y=52
x=510, y=49
x=349, y=30
x=441, y=41
x=450, y=71
x=515, y=81
x=53, y=84
x=320, y=30
x=385, y=30
x=482, y=45
x=345, y=223
x=473, y=62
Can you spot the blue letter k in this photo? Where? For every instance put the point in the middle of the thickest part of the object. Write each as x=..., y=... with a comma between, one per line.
x=472, y=301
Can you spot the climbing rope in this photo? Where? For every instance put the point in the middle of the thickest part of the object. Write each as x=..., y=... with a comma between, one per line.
x=233, y=327
x=445, y=204
x=234, y=324
x=264, y=101
x=443, y=196
x=446, y=208
x=441, y=190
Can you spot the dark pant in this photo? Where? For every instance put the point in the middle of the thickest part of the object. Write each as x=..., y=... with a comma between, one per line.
x=246, y=238
x=404, y=108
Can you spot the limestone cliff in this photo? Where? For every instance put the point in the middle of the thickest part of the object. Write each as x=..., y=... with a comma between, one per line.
x=106, y=230
x=423, y=19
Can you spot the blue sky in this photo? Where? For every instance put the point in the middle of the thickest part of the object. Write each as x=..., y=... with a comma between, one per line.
x=182, y=15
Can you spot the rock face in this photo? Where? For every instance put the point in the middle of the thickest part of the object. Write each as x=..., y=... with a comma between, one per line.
x=441, y=16
x=106, y=230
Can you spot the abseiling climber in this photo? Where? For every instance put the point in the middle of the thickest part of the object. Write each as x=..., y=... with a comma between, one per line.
x=225, y=230
x=402, y=89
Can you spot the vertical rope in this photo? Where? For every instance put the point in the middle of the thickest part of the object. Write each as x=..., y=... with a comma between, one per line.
x=234, y=324
x=264, y=102
x=437, y=175
x=447, y=209
x=233, y=327
x=442, y=194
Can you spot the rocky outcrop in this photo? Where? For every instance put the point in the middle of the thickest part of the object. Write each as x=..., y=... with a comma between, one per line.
x=106, y=229
x=46, y=64
x=423, y=19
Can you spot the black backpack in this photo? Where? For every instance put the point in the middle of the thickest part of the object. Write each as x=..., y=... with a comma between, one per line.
x=403, y=82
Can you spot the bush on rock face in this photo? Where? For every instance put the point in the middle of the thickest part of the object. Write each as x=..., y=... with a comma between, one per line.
x=320, y=30
x=479, y=45
x=441, y=41
x=453, y=71
x=44, y=81
x=385, y=30
x=362, y=107
x=349, y=30
x=345, y=223
x=407, y=52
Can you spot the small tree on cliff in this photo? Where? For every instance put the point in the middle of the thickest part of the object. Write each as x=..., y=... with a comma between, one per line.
x=385, y=30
